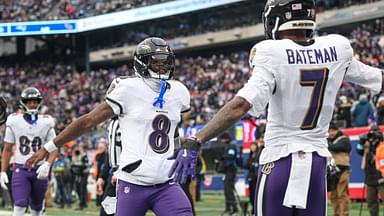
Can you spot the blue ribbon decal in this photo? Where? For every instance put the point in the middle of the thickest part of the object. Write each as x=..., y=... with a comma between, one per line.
x=160, y=100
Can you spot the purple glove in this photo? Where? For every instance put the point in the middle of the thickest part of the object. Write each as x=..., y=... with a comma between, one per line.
x=185, y=163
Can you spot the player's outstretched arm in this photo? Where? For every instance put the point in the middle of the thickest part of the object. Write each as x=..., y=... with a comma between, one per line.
x=3, y=111
x=74, y=130
x=228, y=115
x=185, y=162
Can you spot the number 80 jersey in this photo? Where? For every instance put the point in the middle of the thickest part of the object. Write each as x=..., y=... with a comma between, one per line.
x=28, y=137
x=147, y=131
x=300, y=84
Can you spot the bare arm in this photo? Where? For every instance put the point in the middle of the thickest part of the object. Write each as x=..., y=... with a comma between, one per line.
x=84, y=124
x=7, y=151
x=52, y=156
x=226, y=117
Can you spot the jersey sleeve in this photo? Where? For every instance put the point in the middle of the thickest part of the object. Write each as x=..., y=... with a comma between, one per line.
x=258, y=90
x=364, y=75
x=9, y=136
x=358, y=72
x=115, y=97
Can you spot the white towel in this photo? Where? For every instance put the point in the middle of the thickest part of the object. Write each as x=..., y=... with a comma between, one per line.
x=109, y=204
x=298, y=183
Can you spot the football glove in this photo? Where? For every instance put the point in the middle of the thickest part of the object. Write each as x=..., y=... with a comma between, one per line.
x=3, y=180
x=185, y=162
x=43, y=170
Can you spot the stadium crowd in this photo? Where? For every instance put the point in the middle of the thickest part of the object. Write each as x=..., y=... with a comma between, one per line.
x=34, y=10
x=212, y=81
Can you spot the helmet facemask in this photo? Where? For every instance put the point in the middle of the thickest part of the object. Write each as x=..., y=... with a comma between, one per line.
x=30, y=94
x=154, y=59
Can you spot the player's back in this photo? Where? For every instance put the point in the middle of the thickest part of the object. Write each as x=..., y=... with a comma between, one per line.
x=307, y=79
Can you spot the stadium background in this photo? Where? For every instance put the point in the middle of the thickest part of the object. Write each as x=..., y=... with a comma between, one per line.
x=71, y=50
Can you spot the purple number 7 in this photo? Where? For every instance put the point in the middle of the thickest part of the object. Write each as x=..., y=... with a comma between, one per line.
x=317, y=78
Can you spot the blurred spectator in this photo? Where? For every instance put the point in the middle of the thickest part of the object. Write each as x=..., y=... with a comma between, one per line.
x=229, y=161
x=252, y=165
x=80, y=169
x=62, y=172
x=361, y=111
x=340, y=148
x=100, y=158
x=380, y=111
x=201, y=169
x=344, y=112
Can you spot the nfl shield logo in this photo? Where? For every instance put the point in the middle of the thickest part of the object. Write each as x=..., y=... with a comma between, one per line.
x=126, y=190
x=297, y=6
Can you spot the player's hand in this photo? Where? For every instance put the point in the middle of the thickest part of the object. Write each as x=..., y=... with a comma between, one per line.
x=3, y=180
x=185, y=162
x=3, y=111
x=99, y=186
x=113, y=180
x=35, y=158
x=43, y=170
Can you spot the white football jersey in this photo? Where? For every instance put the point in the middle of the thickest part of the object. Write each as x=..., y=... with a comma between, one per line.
x=28, y=137
x=146, y=131
x=300, y=84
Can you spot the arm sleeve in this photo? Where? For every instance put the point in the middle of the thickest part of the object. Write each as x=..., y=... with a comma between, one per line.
x=9, y=136
x=116, y=95
x=258, y=90
x=364, y=75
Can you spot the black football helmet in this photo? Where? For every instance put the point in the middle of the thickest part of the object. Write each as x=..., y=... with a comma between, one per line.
x=154, y=59
x=28, y=94
x=280, y=15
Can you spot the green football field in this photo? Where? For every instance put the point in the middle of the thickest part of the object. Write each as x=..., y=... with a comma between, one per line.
x=211, y=205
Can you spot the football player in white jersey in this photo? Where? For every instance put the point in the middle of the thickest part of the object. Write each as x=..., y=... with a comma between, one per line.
x=28, y=131
x=149, y=107
x=299, y=77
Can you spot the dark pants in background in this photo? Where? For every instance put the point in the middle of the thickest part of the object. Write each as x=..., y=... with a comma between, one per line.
x=373, y=198
x=81, y=190
x=229, y=189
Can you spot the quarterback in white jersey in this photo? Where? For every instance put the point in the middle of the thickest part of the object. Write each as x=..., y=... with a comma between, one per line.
x=151, y=142
x=27, y=131
x=149, y=107
x=299, y=77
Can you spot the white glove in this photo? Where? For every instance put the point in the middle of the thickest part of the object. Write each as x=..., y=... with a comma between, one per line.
x=43, y=170
x=3, y=180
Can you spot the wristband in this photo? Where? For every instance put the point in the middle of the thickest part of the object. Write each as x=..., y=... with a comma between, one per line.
x=50, y=146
